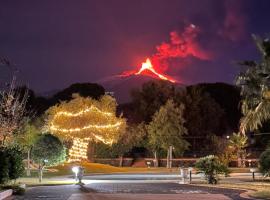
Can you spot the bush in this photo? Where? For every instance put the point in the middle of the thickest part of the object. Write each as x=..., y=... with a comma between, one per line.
x=48, y=150
x=16, y=189
x=4, y=174
x=48, y=147
x=265, y=162
x=16, y=165
x=211, y=167
x=11, y=164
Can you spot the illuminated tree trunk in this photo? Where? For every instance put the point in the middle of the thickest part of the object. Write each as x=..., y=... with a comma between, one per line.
x=168, y=158
x=40, y=172
x=155, y=159
x=78, y=151
x=28, y=173
x=121, y=161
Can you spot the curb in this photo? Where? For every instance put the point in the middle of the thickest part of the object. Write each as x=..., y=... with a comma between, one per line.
x=246, y=195
x=5, y=194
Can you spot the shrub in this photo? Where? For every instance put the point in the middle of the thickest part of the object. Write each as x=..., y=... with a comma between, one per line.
x=16, y=189
x=4, y=176
x=265, y=162
x=211, y=167
x=15, y=163
x=11, y=164
x=48, y=150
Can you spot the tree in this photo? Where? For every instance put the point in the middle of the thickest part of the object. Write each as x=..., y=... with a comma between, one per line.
x=84, y=119
x=15, y=163
x=151, y=97
x=255, y=88
x=211, y=167
x=221, y=148
x=228, y=98
x=12, y=113
x=134, y=136
x=91, y=90
x=238, y=143
x=4, y=176
x=167, y=129
x=48, y=150
x=11, y=164
x=204, y=117
x=265, y=162
x=26, y=139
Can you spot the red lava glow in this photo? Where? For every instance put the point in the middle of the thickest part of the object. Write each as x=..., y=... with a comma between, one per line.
x=148, y=67
x=181, y=45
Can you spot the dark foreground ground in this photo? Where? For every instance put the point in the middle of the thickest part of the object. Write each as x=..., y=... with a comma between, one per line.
x=96, y=190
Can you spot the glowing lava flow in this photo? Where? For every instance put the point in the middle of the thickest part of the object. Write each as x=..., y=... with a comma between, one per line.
x=147, y=65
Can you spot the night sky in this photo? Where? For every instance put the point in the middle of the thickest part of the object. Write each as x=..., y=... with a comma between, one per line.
x=58, y=42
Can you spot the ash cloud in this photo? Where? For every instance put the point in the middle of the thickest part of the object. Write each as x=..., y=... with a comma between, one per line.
x=181, y=45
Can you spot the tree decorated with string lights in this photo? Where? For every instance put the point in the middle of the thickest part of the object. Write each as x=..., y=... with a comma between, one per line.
x=82, y=120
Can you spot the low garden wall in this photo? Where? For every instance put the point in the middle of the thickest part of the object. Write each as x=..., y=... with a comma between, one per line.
x=176, y=162
x=127, y=162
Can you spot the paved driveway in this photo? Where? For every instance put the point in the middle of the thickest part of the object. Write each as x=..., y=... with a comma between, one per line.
x=130, y=187
x=129, y=191
x=148, y=197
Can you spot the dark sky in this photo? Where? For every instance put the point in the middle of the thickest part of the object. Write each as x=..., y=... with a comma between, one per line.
x=58, y=42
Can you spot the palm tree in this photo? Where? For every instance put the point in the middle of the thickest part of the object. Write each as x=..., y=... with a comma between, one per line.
x=238, y=143
x=255, y=88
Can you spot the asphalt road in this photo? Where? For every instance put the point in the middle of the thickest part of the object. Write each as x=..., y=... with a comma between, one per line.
x=130, y=186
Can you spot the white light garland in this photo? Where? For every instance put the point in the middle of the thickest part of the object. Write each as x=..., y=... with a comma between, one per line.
x=91, y=108
x=90, y=130
x=55, y=128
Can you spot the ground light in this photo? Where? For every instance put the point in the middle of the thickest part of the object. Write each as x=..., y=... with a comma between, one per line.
x=75, y=170
x=190, y=173
x=253, y=170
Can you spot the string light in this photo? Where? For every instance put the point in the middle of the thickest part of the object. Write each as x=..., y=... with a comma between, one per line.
x=55, y=128
x=86, y=122
x=91, y=108
x=78, y=150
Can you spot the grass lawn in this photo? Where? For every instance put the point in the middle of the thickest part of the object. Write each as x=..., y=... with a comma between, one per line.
x=263, y=194
x=95, y=168
x=58, y=174
x=258, y=189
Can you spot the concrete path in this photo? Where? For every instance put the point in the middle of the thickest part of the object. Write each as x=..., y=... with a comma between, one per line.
x=148, y=197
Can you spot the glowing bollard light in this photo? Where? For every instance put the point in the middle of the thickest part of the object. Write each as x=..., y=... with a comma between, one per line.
x=253, y=170
x=75, y=170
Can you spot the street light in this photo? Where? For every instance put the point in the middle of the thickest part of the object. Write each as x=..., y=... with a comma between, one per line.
x=253, y=170
x=249, y=163
x=75, y=171
x=190, y=173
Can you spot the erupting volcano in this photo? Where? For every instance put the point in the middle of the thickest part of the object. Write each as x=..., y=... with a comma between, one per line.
x=182, y=44
x=148, y=67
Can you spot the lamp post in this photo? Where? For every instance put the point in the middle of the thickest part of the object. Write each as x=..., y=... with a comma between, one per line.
x=75, y=170
x=252, y=170
x=249, y=163
x=190, y=174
